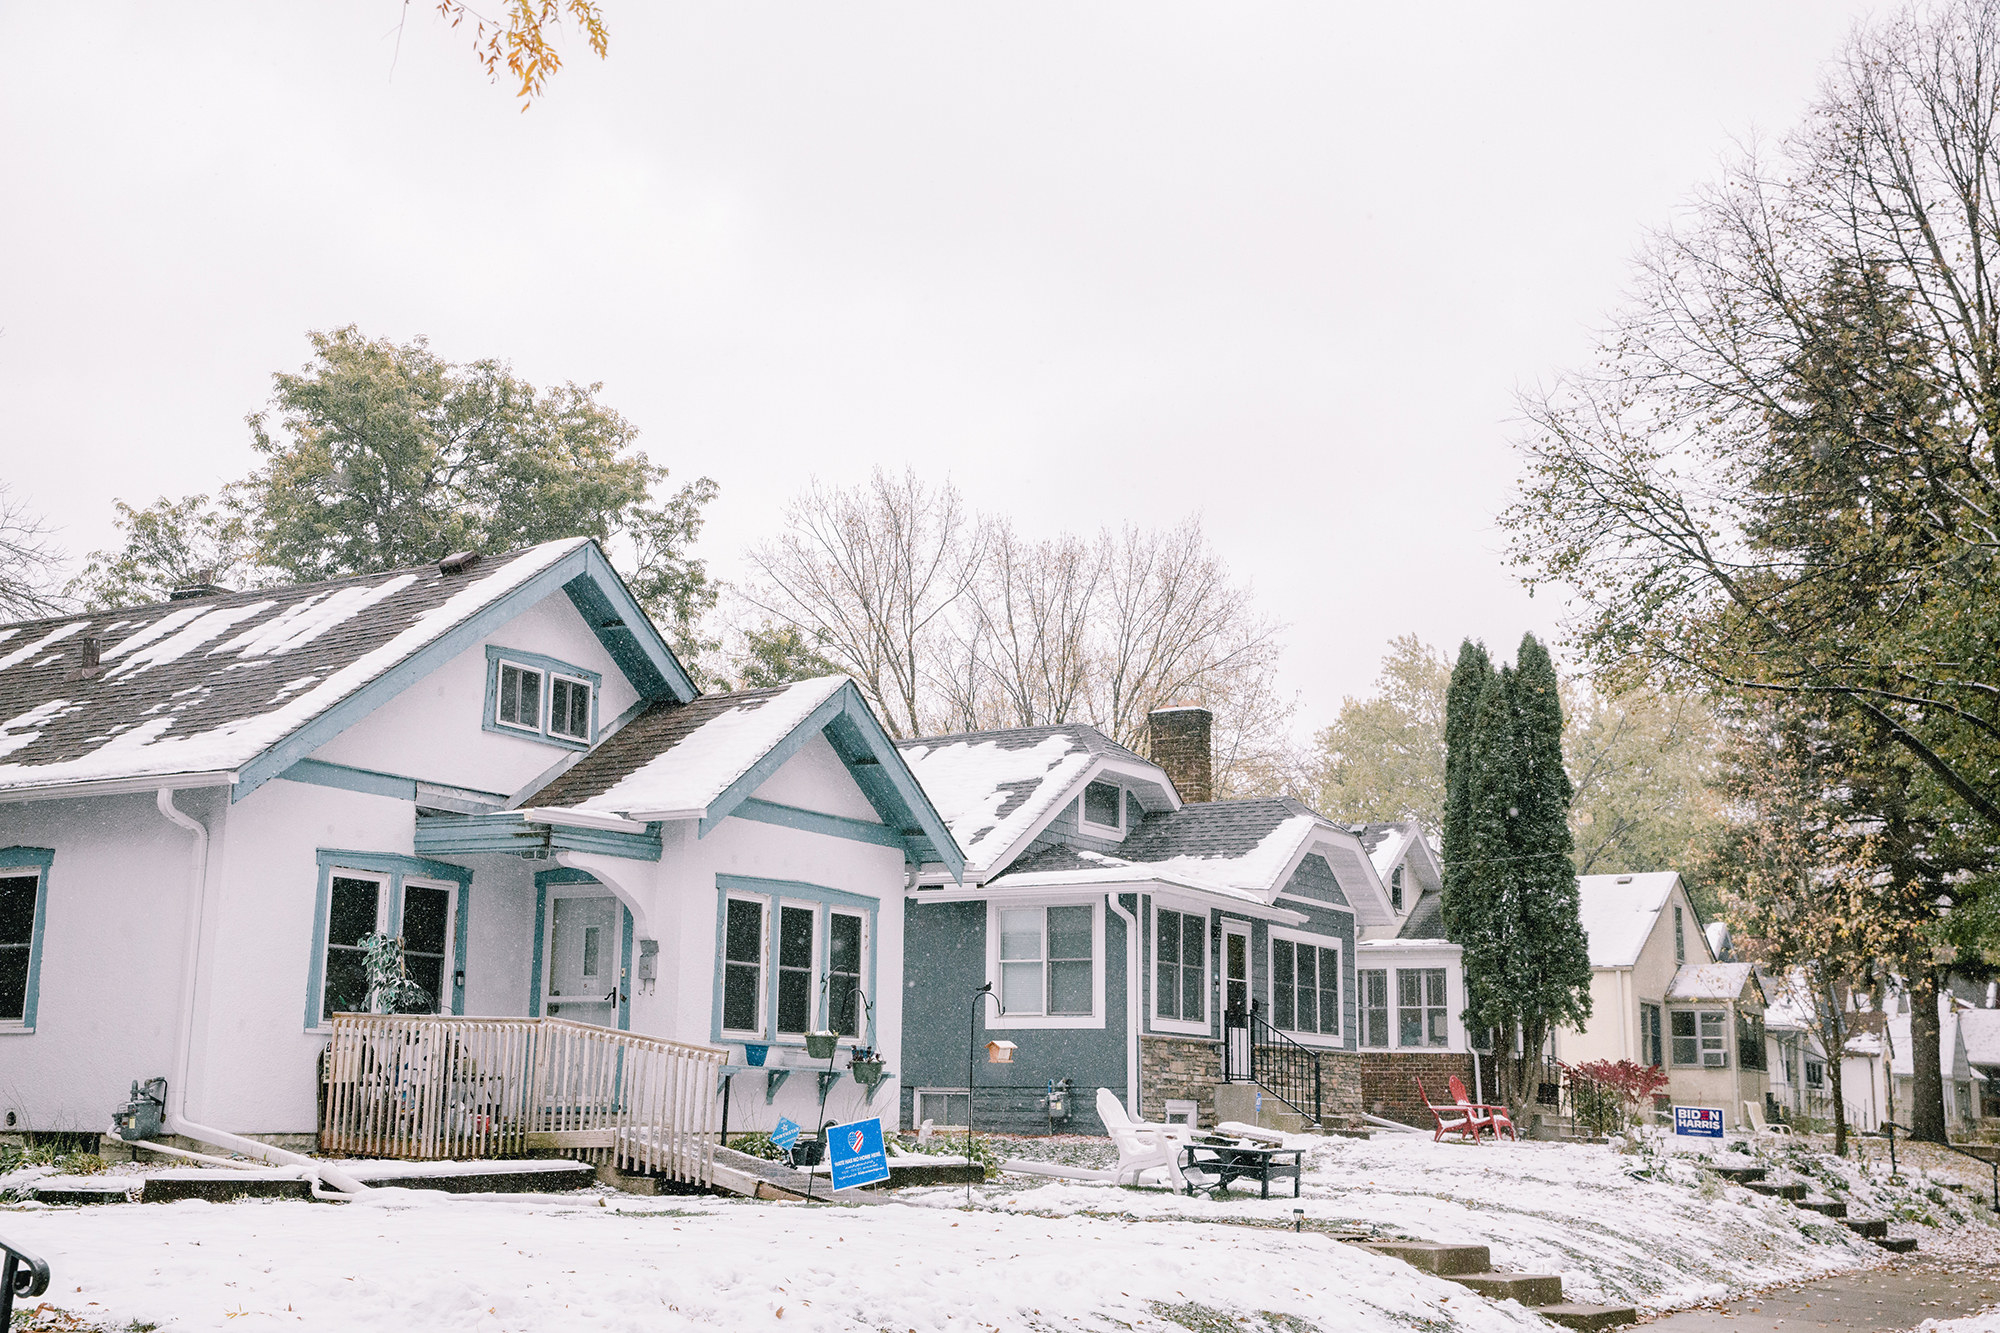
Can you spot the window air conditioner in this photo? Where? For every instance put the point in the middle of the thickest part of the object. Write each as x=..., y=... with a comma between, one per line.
x=1714, y=1059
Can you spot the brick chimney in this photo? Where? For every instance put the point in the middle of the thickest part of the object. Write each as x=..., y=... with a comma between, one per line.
x=1178, y=738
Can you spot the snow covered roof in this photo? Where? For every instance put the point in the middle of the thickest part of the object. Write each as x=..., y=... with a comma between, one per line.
x=1787, y=1006
x=1386, y=843
x=1954, y=1057
x=702, y=759
x=1242, y=850
x=1981, y=1030
x=994, y=788
x=674, y=759
x=1618, y=912
x=1710, y=981
x=209, y=685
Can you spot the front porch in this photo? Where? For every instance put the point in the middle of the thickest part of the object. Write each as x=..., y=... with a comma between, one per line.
x=437, y=1087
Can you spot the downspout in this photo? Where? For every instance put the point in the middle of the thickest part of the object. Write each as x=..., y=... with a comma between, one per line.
x=177, y=1087
x=1132, y=1018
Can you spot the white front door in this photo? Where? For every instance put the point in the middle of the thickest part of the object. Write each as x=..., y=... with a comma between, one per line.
x=582, y=952
x=1236, y=1002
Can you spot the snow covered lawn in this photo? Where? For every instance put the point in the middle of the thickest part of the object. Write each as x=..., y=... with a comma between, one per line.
x=1035, y=1254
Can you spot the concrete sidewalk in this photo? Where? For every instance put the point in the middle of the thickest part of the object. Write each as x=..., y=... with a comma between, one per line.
x=1897, y=1296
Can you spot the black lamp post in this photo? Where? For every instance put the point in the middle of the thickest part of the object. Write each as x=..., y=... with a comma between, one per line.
x=971, y=1064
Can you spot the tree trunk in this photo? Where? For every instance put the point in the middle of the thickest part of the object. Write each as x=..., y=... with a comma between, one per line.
x=1927, y=1112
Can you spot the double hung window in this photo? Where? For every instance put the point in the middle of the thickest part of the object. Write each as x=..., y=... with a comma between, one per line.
x=1750, y=1041
x=1421, y=1015
x=1181, y=973
x=1375, y=1007
x=1701, y=1038
x=796, y=958
x=1649, y=1036
x=790, y=964
x=535, y=696
x=1396, y=888
x=20, y=896
x=743, y=966
x=1046, y=960
x=1815, y=1074
x=1305, y=986
x=843, y=973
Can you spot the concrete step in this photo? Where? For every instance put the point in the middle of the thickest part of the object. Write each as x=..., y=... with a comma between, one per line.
x=220, y=1187
x=1571, y=1314
x=532, y=1178
x=1772, y=1190
x=1896, y=1244
x=1872, y=1228
x=84, y=1190
x=1825, y=1207
x=1527, y=1288
x=1444, y=1260
x=1742, y=1175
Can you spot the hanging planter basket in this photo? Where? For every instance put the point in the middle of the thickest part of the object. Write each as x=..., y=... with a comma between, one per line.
x=867, y=1072
x=820, y=1045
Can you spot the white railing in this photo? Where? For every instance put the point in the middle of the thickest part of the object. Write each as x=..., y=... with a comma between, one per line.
x=429, y=1087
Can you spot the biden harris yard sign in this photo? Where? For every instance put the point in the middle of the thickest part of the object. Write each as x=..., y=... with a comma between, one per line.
x=856, y=1155
x=1700, y=1122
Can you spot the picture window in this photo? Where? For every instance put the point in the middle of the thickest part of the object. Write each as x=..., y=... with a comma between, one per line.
x=18, y=895
x=1305, y=987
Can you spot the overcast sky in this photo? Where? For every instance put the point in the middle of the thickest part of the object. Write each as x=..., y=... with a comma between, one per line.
x=1283, y=264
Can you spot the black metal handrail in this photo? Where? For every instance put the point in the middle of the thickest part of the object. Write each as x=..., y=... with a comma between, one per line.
x=1992, y=1164
x=1283, y=1067
x=21, y=1274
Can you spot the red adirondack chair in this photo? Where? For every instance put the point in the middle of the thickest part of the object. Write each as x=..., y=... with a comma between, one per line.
x=1450, y=1119
x=1483, y=1115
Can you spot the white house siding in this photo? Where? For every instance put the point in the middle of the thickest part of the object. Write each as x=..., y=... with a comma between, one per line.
x=432, y=731
x=111, y=965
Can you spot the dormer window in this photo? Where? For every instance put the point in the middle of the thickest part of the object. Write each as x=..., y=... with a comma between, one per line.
x=1103, y=808
x=540, y=698
x=1396, y=888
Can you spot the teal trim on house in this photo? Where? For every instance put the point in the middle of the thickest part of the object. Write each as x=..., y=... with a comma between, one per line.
x=397, y=868
x=320, y=773
x=607, y=606
x=549, y=667
x=872, y=760
x=773, y=892
x=509, y=831
x=39, y=860
x=567, y=875
x=812, y=821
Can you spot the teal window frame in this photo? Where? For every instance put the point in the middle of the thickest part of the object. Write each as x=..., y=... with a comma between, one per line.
x=39, y=860
x=398, y=869
x=550, y=667
x=774, y=894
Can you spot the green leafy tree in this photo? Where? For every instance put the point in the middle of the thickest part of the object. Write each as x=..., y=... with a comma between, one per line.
x=1642, y=763
x=1383, y=758
x=379, y=455
x=169, y=544
x=778, y=655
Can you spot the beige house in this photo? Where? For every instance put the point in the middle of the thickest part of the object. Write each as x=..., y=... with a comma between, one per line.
x=1659, y=996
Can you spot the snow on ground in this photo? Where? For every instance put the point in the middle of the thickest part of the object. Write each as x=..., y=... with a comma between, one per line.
x=663, y=1265
x=1642, y=1228
x=1986, y=1321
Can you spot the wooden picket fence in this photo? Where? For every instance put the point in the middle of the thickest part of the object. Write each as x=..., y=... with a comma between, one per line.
x=429, y=1087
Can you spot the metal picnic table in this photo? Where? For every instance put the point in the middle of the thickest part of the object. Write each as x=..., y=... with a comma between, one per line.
x=1229, y=1162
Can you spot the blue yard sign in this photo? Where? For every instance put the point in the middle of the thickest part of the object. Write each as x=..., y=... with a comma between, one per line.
x=785, y=1135
x=1700, y=1122
x=856, y=1154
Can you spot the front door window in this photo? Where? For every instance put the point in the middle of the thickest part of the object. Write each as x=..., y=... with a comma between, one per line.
x=1236, y=972
x=583, y=960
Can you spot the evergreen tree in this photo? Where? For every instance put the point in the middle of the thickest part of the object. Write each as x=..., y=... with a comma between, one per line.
x=1468, y=679
x=1481, y=881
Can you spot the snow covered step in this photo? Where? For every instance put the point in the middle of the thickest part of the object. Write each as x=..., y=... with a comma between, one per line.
x=1742, y=1175
x=1444, y=1260
x=1571, y=1314
x=222, y=1186
x=1825, y=1207
x=1527, y=1288
x=1896, y=1244
x=1773, y=1190
x=74, y=1190
x=1874, y=1228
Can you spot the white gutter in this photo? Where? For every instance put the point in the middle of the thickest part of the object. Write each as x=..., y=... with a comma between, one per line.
x=1132, y=1016
x=177, y=1086
x=60, y=791
x=547, y=814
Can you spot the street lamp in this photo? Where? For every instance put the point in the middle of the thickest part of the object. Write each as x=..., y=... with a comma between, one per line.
x=997, y=1053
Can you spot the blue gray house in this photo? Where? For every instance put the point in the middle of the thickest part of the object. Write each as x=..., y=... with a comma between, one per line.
x=1137, y=935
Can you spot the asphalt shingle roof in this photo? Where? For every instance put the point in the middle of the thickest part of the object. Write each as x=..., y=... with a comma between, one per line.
x=1210, y=830
x=207, y=684
x=642, y=740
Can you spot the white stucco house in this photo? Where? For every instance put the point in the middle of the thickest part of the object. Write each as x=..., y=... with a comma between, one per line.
x=208, y=804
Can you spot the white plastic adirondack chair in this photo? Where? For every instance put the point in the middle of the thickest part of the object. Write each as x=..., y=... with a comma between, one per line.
x=1142, y=1145
x=1754, y=1114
